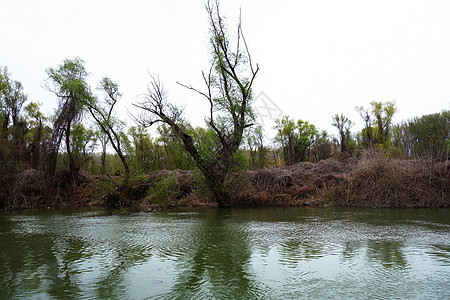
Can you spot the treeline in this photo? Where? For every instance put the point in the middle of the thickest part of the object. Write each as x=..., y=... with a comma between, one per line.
x=84, y=130
x=426, y=137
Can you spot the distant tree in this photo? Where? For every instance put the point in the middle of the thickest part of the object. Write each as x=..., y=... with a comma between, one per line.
x=285, y=136
x=83, y=142
x=343, y=124
x=308, y=135
x=367, y=135
x=296, y=139
x=103, y=139
x=14, y=126
x=228, y=92
x=144, y=153
x=37, y=122
x=174, y=153
x=425, y=137
x=383, y=113
x=255, y=141
x=380, y=134
x=12, y=99
x=323, y=147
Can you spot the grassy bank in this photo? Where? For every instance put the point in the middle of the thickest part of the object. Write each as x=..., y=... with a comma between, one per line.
x=371, y=181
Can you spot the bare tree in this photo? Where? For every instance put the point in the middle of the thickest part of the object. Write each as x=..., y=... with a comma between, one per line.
x=108, y=123
x=367, y=132
x=228, y=93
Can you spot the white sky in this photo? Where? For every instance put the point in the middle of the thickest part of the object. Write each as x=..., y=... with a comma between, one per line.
x=317, y=58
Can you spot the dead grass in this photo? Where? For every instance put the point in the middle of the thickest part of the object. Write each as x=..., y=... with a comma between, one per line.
x=371, y=181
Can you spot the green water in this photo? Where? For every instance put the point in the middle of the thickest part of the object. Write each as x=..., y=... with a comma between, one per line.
x=270, y=253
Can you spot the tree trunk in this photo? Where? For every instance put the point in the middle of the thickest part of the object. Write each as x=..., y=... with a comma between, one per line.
x=36, y=147
x=216, y=185
x=5, y=126
x=343, y=142
x=69, y=151
x=125, y=166
x=290, y=160
x=103, y=158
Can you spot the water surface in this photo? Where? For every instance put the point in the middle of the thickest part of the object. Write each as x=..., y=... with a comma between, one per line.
x=269, y=253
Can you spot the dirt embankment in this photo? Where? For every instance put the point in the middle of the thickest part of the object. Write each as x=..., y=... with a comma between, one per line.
x=371, y=181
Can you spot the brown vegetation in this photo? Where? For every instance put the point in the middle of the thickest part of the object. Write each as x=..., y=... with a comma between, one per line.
x=371, y=181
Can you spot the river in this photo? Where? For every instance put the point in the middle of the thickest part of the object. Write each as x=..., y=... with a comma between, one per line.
x=259, y=253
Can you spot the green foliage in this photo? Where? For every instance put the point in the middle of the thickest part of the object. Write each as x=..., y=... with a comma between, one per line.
x=145, y=155
x=322, y=148
x=68, y=83
x=343, y=124
x=201, y=184
x=296, y=139
x=110, y=193
x=378, y=125
x=164, y=191
x=171, y=148
x=12, y=98
x=83, y=142
x=239, y=162
x=258, y=153
x=106, y=185
x=228, y=93
x=425, y=137
x=383, y=113
x=13, y=125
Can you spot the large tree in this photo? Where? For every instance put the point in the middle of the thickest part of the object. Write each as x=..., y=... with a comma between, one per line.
x=228, y=92
x=68, y=83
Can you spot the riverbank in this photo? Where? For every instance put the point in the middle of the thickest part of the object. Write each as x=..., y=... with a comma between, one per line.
x=371, y=181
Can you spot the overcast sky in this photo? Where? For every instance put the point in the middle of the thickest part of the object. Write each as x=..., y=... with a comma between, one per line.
x=317, y=58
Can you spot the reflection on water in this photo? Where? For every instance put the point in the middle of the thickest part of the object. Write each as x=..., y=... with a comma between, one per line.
x=387, y=253
x=234, y=253
x=216, y=265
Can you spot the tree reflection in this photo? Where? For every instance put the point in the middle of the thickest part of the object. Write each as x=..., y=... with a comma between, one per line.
x=350, y=249
x=388, y=253
x=47, y=257
x=294, y=250
x=217, y=266
x=39, y=263
x=441, y=253
x=121, y=257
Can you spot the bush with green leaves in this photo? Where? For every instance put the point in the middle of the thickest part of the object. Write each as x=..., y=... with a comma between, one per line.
x=112, y=195
x=164, y=191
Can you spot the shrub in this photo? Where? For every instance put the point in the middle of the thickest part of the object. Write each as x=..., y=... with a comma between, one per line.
x=165, y=191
